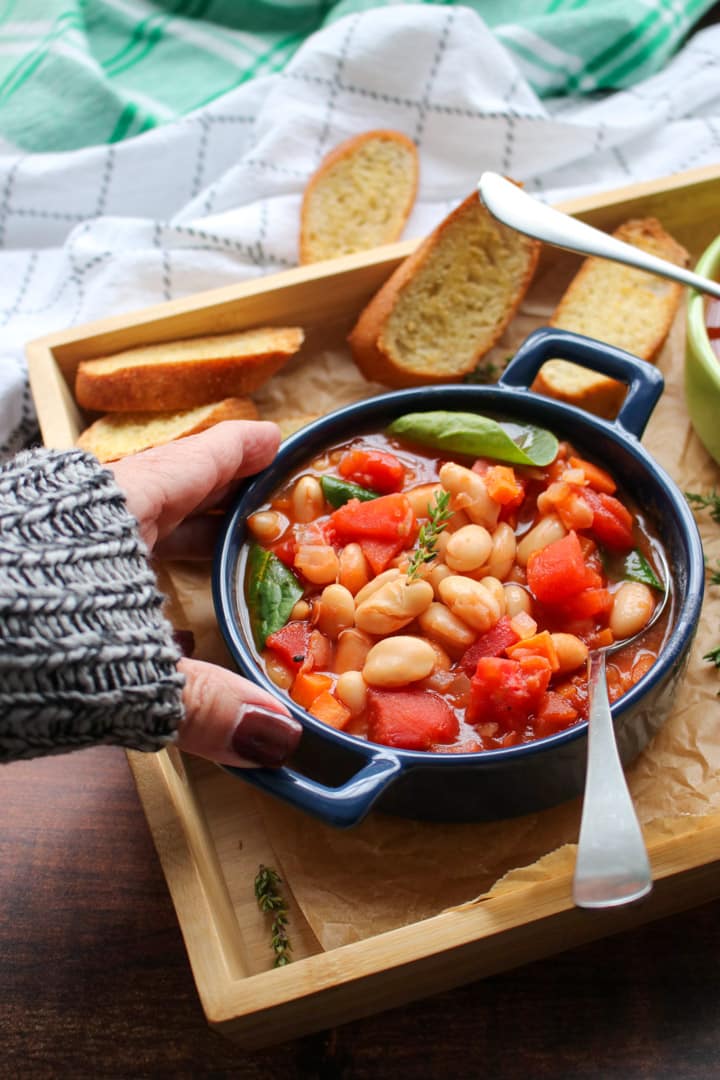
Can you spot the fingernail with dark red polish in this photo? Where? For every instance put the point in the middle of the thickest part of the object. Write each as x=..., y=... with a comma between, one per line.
x=264, y=736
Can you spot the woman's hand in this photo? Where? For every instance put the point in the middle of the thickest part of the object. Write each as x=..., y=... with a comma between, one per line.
x=169, y=489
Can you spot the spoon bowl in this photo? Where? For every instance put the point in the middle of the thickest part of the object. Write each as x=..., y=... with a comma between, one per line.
x=513, y=206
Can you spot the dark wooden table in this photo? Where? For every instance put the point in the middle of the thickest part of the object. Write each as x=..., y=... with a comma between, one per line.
x=94, y=979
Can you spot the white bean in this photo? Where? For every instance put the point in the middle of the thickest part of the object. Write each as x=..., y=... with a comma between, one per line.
x=393, y=606
x=572, y=652
x=421, y=498
x=267, y=525
x=317, y=562
x=439, y=623
x=376, y=583
x=517, y=599
x=547, y=530
x=502, y=554
x=351, y=689
x=353, y=572
x=352, y=648
x=496, y=590
x=436, y=573
x=397, y=661
x=468, y=548
x=633, y=605
x=277, y=672
x=335, y=610
x=472, y=601
x=300, y=611
x=442, y=660
x=307, y=499
x=468, y=493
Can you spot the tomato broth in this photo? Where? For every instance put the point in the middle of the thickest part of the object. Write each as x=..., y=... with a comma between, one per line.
x=447, y=602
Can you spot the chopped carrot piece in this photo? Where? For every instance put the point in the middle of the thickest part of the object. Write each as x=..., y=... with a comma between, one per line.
x=307, y=686
x=596, y=477
x=503, y=486
x=327, y=708
x=539, y=645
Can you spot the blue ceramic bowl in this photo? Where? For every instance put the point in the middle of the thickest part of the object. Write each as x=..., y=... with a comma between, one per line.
x=339, y=777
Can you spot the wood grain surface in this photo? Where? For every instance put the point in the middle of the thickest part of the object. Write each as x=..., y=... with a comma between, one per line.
x=94, y=980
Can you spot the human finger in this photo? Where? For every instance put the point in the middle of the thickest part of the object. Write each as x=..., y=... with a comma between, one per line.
x=230, y=720
x=164, y=485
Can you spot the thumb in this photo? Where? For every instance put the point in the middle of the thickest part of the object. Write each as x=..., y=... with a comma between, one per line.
x=230, y=720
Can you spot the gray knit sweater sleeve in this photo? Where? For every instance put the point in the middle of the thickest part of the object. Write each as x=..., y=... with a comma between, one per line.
x=86, y=655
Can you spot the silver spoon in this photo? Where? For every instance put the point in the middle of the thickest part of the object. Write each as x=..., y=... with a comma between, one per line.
x=612, y=865
x=511, y=205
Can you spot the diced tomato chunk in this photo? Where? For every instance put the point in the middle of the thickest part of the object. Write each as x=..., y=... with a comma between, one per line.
x=558, y=571
x=492, y=643
x=413, y=719
x=291, y=642
x=587, y=604
x=380, y=553
x=555, y=714
x=375, y=469
x=508, y=692
x=389, y=517
x=612, y=522
x=285, y=548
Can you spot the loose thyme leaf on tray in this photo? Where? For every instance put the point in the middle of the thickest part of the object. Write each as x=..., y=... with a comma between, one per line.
x=439, y=513
x=270, y=900
x=710, y=502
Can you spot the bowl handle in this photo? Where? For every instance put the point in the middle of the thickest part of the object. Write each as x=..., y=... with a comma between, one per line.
x=645, y=383
x=342, y=806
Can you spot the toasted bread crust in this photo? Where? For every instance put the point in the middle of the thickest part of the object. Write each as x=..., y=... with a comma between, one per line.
x=370, y=213
x=181, y=375
x=369, y=342
x=117, y=435
x=617, y=304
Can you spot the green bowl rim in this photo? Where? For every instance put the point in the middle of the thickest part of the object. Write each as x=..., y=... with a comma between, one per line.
x=708, y=264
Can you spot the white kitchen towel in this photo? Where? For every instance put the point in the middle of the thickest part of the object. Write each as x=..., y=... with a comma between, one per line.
x=214, y=198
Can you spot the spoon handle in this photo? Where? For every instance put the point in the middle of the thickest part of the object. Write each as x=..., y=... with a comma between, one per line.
x=511, y=205
x=612, y=866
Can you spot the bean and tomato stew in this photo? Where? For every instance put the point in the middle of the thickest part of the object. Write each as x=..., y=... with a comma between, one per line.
x=447, y=602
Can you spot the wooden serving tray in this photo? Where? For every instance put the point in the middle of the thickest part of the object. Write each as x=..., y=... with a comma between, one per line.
x=209, y=828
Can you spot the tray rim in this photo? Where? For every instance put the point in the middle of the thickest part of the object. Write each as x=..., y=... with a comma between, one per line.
x=453, y=947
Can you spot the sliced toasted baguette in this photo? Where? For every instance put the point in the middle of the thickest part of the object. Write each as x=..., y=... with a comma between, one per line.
x=360, y=196
x=119, y=434
x=182, y=374
x=448, y=303
x=617, y=304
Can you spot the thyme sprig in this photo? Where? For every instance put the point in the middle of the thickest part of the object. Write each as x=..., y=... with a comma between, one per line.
x=439, y=513
x=713, y=656
x=271, y=900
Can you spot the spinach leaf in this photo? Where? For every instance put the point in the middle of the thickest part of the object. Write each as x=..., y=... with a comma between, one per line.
x=637, y=568
x=478, y=436
x=272, y=592
x=337, y=492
